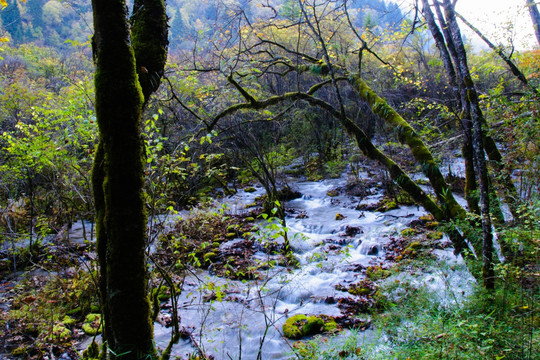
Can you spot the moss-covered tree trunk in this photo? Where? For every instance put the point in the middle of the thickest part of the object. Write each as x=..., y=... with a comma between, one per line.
x=118, y=186
x=421, y=153
x=448, y=54
x=478, y=145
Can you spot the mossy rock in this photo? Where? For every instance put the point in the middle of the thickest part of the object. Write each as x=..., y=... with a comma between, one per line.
x=432, y=225
x=250, y=189
x=411, y=250
x=332, y=193
x=250, y=219
x=92, y=324
x=340, y=217
x=364, y=287
x=60, y=334
x=231, y=235
x=330, y=325
x=299, y=326
x=435, y=235
x=164, y=293
x=92, y=352
x=302, y=349
x=387, y=205
x=68, y=320
x=374, y=273
x=409, y=232
x=426, y=218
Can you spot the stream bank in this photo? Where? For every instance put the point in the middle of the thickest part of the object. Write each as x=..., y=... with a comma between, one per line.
x=342, y=243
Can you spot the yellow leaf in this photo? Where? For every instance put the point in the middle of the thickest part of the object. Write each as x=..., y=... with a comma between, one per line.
x=3, y=3
x=3, y=39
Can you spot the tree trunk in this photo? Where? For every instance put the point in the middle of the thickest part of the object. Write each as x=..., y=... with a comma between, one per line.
x=535, y=17
x=447, y=51
x=478, y=144
x=510, y=192
x=118, y=186
x=421, y=153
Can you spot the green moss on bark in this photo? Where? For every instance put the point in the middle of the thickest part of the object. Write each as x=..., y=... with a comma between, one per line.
x=150, y=40
x=118, y=187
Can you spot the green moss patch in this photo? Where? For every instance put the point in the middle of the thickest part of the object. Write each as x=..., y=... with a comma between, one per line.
x=60, y=334
x=374, y=273
x=92, y=324
x=299, y=326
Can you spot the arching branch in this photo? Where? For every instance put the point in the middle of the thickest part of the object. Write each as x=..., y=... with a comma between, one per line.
x=513, y=68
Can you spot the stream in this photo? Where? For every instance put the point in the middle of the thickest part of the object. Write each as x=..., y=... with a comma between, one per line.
x=331, y=248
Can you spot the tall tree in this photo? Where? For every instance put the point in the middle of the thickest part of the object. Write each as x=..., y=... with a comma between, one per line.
x=535, y=17
x=478, y=121
x=118, y=166
x=11, y=21
x=445, y=44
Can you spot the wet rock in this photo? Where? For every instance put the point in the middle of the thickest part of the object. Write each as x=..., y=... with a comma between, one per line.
x=348, y=322
x=370, y=248
x=367, y=207
x=340, y=216
x=338, y=241
x=234, y=260
x=355, y=268
x=332, y=248
x=332, y=193
x=386, y=204
x=287, y=194
x=296, y=213
x=362, y=188
x=351, y=306
x=352, y=230
x=361, y=288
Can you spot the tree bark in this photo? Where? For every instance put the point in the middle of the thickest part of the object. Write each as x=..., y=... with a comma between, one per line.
x=448, y=52
x=510, y=192
x=478, y=143
x=535, y=17
x=421, y=153
x=118, y=187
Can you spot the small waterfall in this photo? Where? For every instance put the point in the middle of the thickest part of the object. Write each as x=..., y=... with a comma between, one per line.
x=370, y=248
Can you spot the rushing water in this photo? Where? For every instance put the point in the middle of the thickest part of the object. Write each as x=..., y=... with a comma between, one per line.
x=248, y=320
